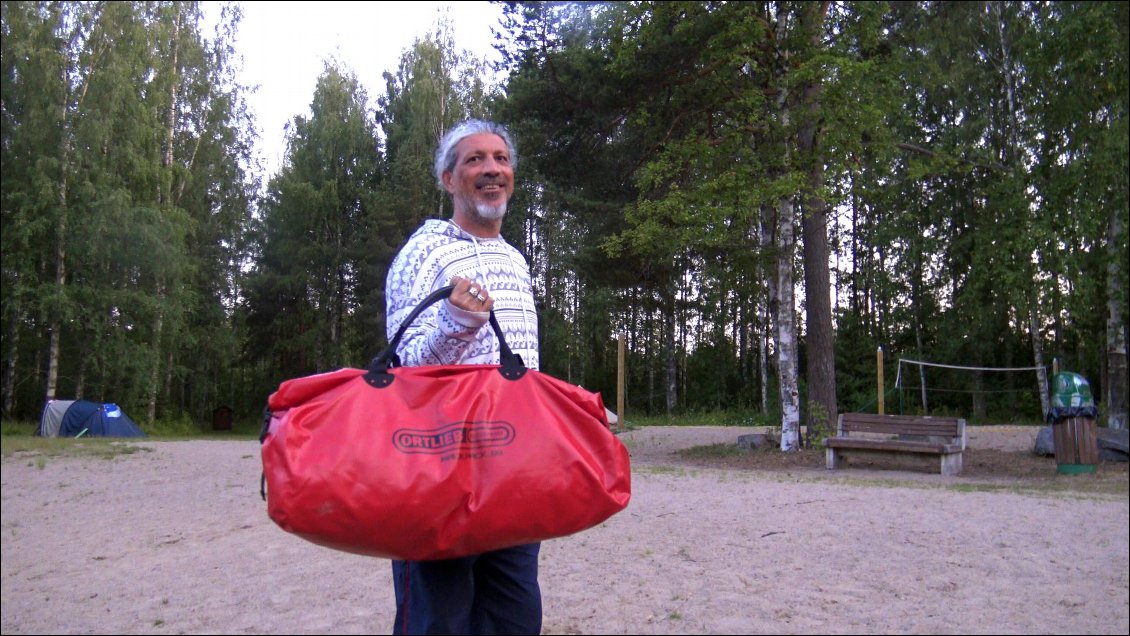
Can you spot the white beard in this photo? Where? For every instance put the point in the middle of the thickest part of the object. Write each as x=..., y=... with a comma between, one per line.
x=491, y=212
x=479, y=212
x=483, y=211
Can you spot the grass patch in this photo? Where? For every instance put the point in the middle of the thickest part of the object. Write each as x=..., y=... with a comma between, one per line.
x=168, y=429
x=665, y=469
x=712, y=451
x=735, y=417
x=1097, y=490
x=985, y=471
x=42, y=448
x=13, y=428
x=17, y=438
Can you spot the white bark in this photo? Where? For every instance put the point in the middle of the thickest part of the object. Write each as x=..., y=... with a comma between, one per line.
x=1012, y=159
x=787, y=348
x=1038, y=353
x=71, y=102
x=770, y=309
x=763, y=360
x=786, y=329
x=764, y=240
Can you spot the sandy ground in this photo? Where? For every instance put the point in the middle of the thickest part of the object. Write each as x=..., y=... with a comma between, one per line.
x=175, y=539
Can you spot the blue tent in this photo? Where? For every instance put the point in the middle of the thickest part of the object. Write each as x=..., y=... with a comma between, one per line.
x=72, y=418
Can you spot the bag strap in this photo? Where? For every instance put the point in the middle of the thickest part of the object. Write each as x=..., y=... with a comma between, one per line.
x=378, y=376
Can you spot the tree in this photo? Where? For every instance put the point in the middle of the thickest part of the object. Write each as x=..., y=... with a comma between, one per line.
x=434, y=88
x=303, y=295
x=98, y=115
x=1078, y=77
x=34, y=62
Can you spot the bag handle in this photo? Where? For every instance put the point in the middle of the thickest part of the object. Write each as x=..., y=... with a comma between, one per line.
x=378, y=376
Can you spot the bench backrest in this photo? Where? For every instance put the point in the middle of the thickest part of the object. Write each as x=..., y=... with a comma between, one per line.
x=951, y=427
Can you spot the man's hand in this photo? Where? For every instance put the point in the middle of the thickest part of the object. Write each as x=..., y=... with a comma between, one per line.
x=469, y=295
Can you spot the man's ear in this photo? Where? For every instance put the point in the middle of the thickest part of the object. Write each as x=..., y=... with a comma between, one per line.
x=448, y=179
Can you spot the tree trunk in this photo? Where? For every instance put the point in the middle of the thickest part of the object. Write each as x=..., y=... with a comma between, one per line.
x=979, y=394
x=154, y=380
x=1038, y=353
x=167, y=384
x=164, y=193
x=785, y=310
x=821, y=354
x=786, y=329
x=55, y=325
x=670, y=366
x=1010, y=157
x=164, y=197
x=1116, y=384
x=921, y=368
x=769, y=309
x=650, y=365
x=763, y=361
x=80, y=378
x=12, y=341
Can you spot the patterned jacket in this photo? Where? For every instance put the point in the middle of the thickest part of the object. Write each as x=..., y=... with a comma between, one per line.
x=445, y=334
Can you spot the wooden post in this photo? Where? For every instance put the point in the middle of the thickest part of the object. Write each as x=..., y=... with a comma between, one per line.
x=620, y=383
x=879, y=368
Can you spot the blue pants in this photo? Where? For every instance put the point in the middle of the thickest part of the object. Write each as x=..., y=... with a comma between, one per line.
x=490, y=593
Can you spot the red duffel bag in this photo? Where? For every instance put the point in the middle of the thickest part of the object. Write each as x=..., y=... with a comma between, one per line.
x=438, y=462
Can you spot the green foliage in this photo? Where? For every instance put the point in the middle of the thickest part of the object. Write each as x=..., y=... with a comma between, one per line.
x=304, y=294
x=972, y=157
x=124, y=145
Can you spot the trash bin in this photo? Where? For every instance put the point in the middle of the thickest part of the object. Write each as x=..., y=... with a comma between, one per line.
x=1072, y=417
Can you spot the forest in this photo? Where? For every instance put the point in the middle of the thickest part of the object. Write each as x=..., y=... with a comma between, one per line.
x=764, y=201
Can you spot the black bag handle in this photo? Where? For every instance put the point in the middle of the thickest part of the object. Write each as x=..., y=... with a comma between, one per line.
x=378, y=376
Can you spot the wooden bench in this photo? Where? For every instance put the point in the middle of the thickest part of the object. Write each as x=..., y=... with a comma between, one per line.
x=869, y=434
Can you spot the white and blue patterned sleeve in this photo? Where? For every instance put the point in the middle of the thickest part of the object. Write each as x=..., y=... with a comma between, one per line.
x=443, y=333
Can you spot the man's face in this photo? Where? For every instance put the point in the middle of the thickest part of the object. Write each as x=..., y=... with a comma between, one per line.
x=483, y=179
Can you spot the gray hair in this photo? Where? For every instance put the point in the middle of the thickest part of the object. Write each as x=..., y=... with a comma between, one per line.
x=445, y=154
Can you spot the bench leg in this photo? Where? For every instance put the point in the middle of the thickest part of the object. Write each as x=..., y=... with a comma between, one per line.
x=951, y=464
x=831, y=458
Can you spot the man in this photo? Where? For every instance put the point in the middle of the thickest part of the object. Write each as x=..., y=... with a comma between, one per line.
x=496, y=592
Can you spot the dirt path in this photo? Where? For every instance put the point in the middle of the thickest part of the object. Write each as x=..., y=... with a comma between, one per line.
x=176, y=540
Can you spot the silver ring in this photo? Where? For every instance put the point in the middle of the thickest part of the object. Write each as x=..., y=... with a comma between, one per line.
x=482, y=299
x=474, y=291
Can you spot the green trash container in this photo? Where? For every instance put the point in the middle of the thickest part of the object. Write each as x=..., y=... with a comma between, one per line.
x=1073, y=424
x=1071, y=390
